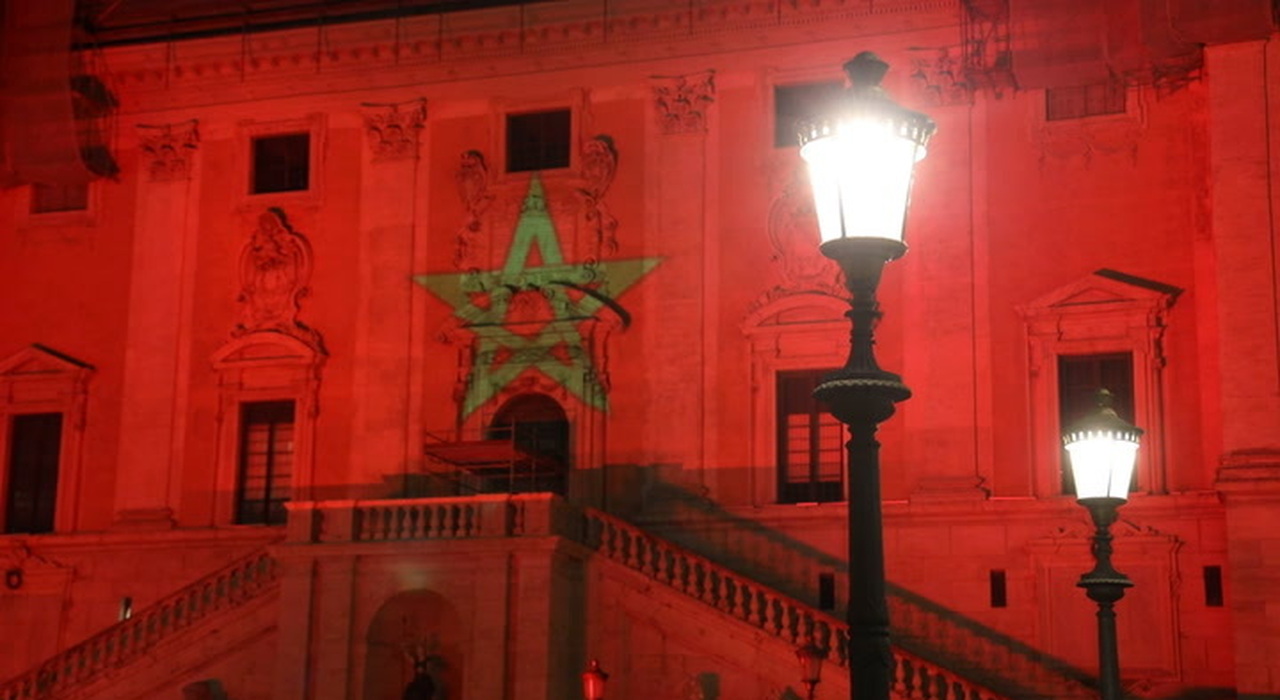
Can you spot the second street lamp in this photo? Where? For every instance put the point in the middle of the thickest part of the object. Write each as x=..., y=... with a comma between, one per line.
x=861, y=162
x=1103, y=448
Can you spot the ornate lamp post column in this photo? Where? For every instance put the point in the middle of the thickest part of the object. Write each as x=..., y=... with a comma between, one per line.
x=811, y=657
x=1102, y=448
x=861, y=162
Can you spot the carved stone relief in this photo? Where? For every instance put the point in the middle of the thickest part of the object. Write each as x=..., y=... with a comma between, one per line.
x=275, y=274
x=167, y=149
x=472, y=178
x=793, y=237
x=599, y=164
x=393, y=128
x=682, y=101
x=940, y=79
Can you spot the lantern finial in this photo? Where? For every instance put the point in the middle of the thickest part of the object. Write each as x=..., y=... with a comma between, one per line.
x=865, y=70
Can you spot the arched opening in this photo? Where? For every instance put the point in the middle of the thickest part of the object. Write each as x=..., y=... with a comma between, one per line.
x=414, y=649
x=538, y=430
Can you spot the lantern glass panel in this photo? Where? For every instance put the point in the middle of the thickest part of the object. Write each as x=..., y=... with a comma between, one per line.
x=861, y=176
x=1102, y=465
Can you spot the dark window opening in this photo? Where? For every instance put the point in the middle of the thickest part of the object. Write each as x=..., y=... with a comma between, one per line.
x=999, y=589
x=826, y=591
x=538, y=431
x=1084, y=101
x=538, y=141
x=281, y=163
x=35, y=445
x=47, y=199
x=266, y=462
x=811, y=442
x=1079, y=379
x=793, y=103
x=1213, y=586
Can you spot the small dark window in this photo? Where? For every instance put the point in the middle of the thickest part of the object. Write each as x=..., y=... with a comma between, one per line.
x=826, y=591
x=1213, y=586
x=811, y=451
x=1079, y=379
x=35, y=443
x=538, y=141
x=281, y=163
x=999, y=589
x=47, y=199
x=792, y=103
x=1084, y=101
x=266, y=462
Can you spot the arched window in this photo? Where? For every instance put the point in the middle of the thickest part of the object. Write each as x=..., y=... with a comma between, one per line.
x=538, y=430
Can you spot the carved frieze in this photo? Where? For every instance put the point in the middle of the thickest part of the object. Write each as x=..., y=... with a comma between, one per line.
x=599, y=164
x=167, y=149
x=275, y=274
x=682, y=101
x=393, y=128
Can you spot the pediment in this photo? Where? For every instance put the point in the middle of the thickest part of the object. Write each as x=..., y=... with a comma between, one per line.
x=803, y=308
x=1103, y=290
x=37, y=361
x=264, y=348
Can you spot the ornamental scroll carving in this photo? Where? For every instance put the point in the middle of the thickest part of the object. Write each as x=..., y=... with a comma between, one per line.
x=793, y=236
x=275, y=274
x=472, y=178
x=393, y=128
x=682, y=102
x=168, y=149
x=599, y=164
x=940, y=79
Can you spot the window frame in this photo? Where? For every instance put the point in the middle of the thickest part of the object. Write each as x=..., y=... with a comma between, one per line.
x=500, y=108
x=9, y=464
x=836, y=86
x=315, y=125
x=800, y=331
x=272, y=422
x=568, y=145
x=256, y=368
x=38, y=379
x=1107, y=312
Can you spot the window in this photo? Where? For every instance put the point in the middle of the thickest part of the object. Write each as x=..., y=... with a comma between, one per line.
x=1084, y=101
x=35, y=445
x=811, y=451
x=266, y=462
x=281, y=163
x=1103, y=329
x=792, y=103
x=1079, y=379
x=47, y=199
x=538, y=140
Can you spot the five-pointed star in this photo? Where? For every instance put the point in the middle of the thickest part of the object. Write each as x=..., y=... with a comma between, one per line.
x=573, y=291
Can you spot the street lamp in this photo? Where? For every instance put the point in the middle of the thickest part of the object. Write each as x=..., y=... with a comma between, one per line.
x=811, y=657
x=593, y=680
x=1103, y=448
x=861, y=160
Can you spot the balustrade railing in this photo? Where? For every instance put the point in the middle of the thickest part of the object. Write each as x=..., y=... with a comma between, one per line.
x=764, y=608
x=226, y=588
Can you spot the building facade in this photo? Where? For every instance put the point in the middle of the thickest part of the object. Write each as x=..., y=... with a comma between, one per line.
x=356, y=348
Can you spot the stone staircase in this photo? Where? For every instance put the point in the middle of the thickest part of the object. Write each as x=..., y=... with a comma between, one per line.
x=228, y=588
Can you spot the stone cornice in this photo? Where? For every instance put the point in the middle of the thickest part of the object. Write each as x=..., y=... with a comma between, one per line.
x=424, y=50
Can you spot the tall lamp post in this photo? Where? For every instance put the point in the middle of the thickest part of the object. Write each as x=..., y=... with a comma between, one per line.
x=1103, y=448
x=861, y=160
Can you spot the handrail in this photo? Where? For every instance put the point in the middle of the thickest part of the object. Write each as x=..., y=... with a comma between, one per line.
x=762, y=607
x=229, y=587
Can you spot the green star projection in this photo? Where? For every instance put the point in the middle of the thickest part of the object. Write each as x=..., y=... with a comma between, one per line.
x=508, y=342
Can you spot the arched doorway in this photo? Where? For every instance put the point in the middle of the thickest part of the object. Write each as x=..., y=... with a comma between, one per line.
x=538, y=430
x=414, y=649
